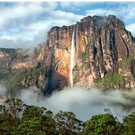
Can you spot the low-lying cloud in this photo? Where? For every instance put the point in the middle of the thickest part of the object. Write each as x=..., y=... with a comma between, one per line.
x=3, y=90
x=3, y=93
x=84, y=103
x=131, y=28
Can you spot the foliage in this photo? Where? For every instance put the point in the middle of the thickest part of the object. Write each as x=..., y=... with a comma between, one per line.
x=115, y=79
x=30, y=127
x=76, y=79
x=24, y=79
x=17, y=118
x=129, y=123
x=33, y=121
x=103, y=124
x=9, y=115
x=67, y=123
x=109, y=82
x=36, y=120
x=126, y=62
x=76, y=68
x=83, y=56
x=32, y=112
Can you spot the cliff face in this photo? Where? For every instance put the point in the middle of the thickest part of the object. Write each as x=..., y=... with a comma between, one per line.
x=104, y=53
x=95, y=52
x=13, y=60
x=23, y=68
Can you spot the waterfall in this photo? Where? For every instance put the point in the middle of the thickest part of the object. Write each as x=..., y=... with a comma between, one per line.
x=77, y=47
x=72, y=58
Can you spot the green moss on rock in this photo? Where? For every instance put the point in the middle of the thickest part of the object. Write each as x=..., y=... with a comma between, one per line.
x=24, y=79
x=115, y=79
x=76, y=79
x=83, y=56
x=76, y=68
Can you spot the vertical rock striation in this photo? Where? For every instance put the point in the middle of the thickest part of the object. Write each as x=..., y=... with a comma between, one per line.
x=104, y=52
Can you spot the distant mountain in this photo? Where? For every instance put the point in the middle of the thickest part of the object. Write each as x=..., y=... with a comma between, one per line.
x=95, y=52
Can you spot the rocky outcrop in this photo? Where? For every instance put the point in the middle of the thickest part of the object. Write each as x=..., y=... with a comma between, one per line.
x=103, y=49
x=21, y=69
x=13, y=60
x=100, y=49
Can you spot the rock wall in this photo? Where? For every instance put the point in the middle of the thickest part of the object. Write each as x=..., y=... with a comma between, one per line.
x=103, y=49
x=13, y=60
x=104, y=56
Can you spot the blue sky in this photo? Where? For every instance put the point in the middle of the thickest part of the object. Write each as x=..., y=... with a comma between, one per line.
x=25, y=24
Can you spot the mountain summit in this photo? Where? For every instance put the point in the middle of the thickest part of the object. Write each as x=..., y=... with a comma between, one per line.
x=95, y=52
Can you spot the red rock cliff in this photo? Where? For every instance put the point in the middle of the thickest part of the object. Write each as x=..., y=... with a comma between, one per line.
x=102, y=46
x=102, y=52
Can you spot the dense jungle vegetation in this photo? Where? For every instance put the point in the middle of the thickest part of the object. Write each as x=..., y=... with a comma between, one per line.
x=17, y=118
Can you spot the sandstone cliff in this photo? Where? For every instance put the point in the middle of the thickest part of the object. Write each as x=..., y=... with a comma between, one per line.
x=13, y=60
x=104, y=52
x=95, y=52
x=23, y=68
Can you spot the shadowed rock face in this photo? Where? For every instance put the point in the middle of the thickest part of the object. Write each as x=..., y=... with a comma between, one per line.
x=104, y=55
x=55, y=82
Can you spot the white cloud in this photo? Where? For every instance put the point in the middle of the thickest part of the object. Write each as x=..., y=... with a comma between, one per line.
x=20, y=10
x=28, y=20
x=123, y=12
x=3, y=90
x=8, y=37
x=106, y=12
x=129, y=11
x=23, y=10
x=73, y=5
x=84, y=103
x=102, y=12
x=131, y=28
x=118, y=12
x=36, y=32
x=22, y=22
x=65, y=4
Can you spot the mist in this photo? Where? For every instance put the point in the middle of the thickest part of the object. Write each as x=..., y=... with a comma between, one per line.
x=3, y=90
x=84, y=103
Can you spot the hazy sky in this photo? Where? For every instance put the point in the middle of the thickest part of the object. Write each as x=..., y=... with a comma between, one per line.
x=27, y=23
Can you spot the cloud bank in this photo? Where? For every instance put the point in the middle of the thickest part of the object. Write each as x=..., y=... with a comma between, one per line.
x=131, y=28
x=28, y=22
x=84, y=103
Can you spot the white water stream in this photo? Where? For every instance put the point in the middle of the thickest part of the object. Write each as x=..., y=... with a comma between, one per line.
x=72, y=58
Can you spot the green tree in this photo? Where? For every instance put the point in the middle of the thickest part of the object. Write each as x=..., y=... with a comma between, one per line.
x=9, y=115
x=36, y=121
x=14, y=107
x=67, y=123
x=32, y=112
x=103, y=124
x=48, y=123
x=31, y=126
x=5, y=126
x=129, y=124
